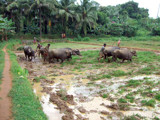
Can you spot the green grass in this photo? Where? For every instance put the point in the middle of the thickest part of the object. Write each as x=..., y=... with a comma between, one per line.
x=157, y=97
x=37, y=79
x=147, y=42
x=134, y=83
x=150, y=103
x=2, y=44
x=25, y=105
x=104, y=95
x=65, y=45
x=134, y=117
x=122, y=100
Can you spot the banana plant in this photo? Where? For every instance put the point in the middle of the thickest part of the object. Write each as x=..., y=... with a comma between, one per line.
x=6, y=26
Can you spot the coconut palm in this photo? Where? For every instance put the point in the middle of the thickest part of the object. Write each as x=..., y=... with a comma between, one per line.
x=66, y=11
x=88, y=15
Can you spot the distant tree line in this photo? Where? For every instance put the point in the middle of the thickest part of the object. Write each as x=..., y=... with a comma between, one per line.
x=72, y=18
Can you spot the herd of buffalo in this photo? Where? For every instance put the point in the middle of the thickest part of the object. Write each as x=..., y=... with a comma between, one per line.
x=66, y=53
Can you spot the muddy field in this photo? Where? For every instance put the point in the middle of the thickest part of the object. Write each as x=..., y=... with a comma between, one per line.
x=88, y=90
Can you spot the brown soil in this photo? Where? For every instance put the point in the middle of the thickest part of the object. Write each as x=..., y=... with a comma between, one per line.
x=5, y=101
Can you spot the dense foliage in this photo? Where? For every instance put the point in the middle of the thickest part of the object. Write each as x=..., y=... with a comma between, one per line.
x=68, y=16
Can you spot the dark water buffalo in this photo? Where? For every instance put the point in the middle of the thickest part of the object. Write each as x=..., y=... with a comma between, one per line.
x=29, y=53
x=61, y=54
x=108, y=52
x=124, y=54
x=74, y=51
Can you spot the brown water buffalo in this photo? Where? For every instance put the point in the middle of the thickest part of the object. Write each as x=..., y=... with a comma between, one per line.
x=108, y=52
x=74, y=51
x=61, y=54
x=124, y=54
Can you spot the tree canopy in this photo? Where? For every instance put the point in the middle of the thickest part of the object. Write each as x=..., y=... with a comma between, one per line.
x=70, y=17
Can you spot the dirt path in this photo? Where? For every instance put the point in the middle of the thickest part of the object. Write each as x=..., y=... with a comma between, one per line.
x=5, y=87
x=139, y=49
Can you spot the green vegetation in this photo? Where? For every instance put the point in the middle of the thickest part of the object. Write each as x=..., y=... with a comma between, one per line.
x=85, y=18
x=150, y=103
x=37, y=79
x=118, y=73
x=130, y=97
x=105, y=95
x=134, y=117
x=25, y=104
x=134, y=83
x=6, y=28
x=122, y=100
x=1, y=60
x=157, y=97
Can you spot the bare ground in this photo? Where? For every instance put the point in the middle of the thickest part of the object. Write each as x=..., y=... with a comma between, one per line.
x=5, y=100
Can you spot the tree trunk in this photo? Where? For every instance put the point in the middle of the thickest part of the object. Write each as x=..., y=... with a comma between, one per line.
x=45, y=28
x=6, y=35
x=40, y=25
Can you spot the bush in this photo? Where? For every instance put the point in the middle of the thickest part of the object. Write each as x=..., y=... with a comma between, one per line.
x=116, y=29
x=129, y=31
x=156, y=30
x=86, y=38
x=79, y=38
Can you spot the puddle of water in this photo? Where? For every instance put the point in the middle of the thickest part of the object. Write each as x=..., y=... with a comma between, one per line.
x=37, y=89
x=50, y=109
x=95, y=104
x=81, y=90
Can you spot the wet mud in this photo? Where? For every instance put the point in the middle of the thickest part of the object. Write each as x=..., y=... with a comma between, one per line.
x=70, y=95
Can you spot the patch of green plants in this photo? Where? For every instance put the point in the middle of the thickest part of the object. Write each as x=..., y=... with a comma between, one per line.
x=150, y=69
x=156, y=118
x=133, y=117
x=150, y=103
x=2, y=55
x=157, y=96
x=20, y=48
x=25, y=105
x=104, y=95
x=122, y=100
x=122, y=90
x=130, y=97
x=118, y=73
x=37, y=79
x=134, y=83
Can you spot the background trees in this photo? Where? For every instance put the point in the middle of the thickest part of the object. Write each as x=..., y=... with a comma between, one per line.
x=54, y=17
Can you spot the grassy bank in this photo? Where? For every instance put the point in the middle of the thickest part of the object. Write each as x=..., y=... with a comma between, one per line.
x=2, y=44
x=26, y=105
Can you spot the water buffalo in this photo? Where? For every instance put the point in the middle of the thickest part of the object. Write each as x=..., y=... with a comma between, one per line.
x=29, y=53
x=124, y=54
x=61, y=54
x=108, y=52
x=74, y=51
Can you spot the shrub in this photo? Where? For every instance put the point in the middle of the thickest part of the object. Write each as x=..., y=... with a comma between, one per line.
x=116, y=29
x=129, y=30
x=156, y=30
x=86, y=38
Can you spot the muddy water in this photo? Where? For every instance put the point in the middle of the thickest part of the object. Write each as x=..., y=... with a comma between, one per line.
x=86, y=97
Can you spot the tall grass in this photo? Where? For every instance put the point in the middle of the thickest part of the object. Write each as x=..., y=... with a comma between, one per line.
x=26, y=105
x=2, y=44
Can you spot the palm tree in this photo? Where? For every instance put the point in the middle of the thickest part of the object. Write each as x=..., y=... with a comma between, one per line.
x=39, y=6
x=66, y=11
x=88, y=15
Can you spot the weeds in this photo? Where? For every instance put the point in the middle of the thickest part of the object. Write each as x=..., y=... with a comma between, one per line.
x=150, y=103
